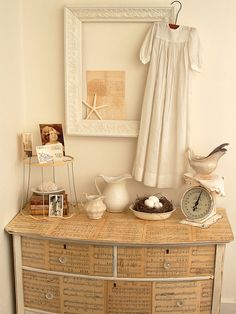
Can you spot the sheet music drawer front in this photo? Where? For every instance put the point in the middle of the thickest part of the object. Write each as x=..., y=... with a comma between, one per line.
x=134, y=262
x=73, y=295
x=146, y=279
x=69, y=257
x=173, y=261
x=63, y=294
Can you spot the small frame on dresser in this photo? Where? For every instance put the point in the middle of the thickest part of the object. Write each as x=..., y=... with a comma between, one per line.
x=55, y=205
x=92, y=45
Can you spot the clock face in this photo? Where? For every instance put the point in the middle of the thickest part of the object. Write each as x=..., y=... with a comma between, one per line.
x=197, y=203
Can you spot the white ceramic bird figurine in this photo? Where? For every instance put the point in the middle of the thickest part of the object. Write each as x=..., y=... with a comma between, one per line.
x=205, y=165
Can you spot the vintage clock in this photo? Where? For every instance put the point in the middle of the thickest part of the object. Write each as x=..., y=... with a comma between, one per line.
x=198, y=206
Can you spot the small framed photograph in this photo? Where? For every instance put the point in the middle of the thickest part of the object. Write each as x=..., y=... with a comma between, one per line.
x=52, y=134
x=27, y=139
x=55, y=205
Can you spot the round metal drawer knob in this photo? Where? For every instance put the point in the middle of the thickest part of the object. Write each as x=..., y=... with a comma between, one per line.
x=49, y=295
x=62, y=259
x=167, y=265
x=179, y=303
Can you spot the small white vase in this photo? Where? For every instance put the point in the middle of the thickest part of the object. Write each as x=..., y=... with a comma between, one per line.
x=94, y=206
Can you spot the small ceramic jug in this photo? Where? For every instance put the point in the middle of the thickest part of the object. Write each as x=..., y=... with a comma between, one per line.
x=115, y=192
x=94, y=206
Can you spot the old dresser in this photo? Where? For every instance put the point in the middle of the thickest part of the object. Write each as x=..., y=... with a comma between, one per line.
x=118, y=264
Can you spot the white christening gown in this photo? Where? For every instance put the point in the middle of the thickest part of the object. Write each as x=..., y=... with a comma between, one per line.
x=163, y=137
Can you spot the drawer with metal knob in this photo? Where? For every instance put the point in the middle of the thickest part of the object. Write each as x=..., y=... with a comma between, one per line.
x=182, y=297
x=63, y=294
x=69, y=257
x=166, y=262
x=41, y=291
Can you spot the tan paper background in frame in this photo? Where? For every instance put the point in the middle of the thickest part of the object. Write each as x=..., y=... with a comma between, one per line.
x=87, y=39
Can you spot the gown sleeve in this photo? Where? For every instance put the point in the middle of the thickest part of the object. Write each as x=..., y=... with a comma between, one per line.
x=146, y=49
x=195, y=51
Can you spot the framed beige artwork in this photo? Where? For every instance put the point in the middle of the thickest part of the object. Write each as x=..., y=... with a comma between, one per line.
x=104, y=79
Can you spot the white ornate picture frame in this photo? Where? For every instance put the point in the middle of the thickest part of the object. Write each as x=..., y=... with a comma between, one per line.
x=74, y=17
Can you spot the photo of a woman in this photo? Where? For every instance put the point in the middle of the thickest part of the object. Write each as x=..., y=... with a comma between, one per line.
x=52, y=134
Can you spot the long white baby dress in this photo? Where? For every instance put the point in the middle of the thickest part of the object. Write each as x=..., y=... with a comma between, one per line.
x=163, y=136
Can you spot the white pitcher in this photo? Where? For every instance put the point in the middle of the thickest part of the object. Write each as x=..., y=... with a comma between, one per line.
x=95, y=206
x=115, y=192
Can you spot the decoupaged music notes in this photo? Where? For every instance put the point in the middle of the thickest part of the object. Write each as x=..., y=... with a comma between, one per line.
x=182, y=297
x=83, y=296
x=129, y=297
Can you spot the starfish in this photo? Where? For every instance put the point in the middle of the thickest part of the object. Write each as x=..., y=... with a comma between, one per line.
x=94, y=108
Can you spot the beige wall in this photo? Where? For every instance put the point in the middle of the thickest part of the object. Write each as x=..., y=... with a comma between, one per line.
x=211, y=98
x=11, y=125
x=211, y=95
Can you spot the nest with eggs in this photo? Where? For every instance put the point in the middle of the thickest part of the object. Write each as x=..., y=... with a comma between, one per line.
x=139, y=205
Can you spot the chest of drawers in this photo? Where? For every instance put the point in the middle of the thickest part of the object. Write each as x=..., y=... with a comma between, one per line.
x=117, y=265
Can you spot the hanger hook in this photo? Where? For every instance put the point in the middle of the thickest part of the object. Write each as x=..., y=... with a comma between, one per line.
x=180, y=7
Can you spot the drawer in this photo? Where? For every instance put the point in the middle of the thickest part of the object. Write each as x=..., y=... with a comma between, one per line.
x=157, y=262
x=67, y=257
x=41, y=291
x=62, y=294
x=182, y=297
x=159, y=297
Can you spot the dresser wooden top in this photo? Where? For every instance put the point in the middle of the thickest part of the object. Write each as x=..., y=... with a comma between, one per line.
x=122, y=228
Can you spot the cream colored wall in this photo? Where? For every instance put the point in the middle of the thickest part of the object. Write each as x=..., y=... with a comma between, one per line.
x=212, y=100
x=11, y=125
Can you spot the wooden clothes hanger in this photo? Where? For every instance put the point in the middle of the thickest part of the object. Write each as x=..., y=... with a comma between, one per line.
x=175, y=26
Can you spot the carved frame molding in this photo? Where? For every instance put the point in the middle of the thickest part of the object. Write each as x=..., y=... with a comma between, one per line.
x=74, y=17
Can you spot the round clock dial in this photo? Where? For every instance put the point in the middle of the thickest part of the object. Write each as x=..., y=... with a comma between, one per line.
x=197, y=203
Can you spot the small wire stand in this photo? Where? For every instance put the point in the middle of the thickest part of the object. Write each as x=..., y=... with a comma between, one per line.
x=31, y=162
